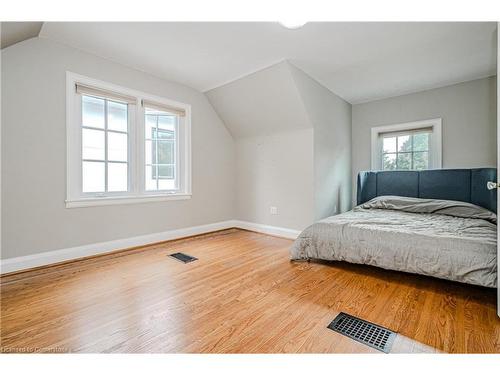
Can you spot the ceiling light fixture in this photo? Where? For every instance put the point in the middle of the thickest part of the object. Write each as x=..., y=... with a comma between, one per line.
x=292, y=24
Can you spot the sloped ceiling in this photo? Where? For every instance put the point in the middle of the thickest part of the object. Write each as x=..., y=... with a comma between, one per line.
x=321, y=105
x=262, y=103
x=276, y=99
x=330, y=117
x=359, y=61
x=15, y=32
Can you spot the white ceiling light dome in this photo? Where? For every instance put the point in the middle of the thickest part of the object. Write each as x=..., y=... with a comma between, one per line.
x=292, y=24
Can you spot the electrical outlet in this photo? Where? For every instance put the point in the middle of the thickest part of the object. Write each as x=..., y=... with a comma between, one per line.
x=273, y=210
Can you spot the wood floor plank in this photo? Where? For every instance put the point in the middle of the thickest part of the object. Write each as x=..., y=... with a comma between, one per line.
x=243, y=295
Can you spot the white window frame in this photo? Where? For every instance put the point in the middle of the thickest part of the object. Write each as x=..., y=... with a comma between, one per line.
x=131, y=124
x=136, y=135
x=435, y=141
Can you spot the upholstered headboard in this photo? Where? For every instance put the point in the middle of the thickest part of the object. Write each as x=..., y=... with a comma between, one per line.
x=466, y=185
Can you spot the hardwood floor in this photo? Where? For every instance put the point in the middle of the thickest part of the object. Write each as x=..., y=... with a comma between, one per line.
x=242, y=295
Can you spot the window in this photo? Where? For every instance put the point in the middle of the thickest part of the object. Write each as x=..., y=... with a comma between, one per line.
x=161, y=129
x=104, y=145
x=406, y=151
x=124, y=146
x=409, y=146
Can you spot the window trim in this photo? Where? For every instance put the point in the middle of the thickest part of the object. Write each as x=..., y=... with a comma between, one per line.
x=435, y=145
x=137, y=192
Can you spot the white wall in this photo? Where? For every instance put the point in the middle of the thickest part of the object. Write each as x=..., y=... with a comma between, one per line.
x=469, y=129
x=330, y=117
x=34, y=217
x=276, y=170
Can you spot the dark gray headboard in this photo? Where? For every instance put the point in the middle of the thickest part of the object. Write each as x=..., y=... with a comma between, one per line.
x=466, y=185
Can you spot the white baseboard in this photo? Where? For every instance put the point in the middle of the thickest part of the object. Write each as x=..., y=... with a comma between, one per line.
x=56, y=256
x=267, y=229
x=49, y=257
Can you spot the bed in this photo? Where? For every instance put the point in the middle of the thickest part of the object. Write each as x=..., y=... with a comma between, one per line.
x=439, y=223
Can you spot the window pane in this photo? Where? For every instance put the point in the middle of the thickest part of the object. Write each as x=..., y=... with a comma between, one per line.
x=165, y=171
x=117, y=116
x=150, y=177
x=167, y=122
x=150, y=125
x=420, y=160
x=160, y=150
x=404, y=143
x=421, y=142
x=92, y=112
x=389, y=162
x=165, y=152
x=92, y=144
x=163, y=134
x=92, y=177
x=117, y=146
x=117, y=177
x=404, y=161
x=148, y=149
x=166, y=184
x=389, y=144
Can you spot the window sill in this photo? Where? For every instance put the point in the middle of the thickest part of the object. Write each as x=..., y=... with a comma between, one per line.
x=107, y=201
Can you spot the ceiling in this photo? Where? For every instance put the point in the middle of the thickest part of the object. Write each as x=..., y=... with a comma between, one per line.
x=358, y=61
x=15, y=32
x=277, y=108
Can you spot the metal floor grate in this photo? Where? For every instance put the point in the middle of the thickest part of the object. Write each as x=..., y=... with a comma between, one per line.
x=367, y=333
x=183, y=257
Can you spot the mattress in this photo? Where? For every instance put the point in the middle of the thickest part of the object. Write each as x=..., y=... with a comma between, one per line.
x=445, y=239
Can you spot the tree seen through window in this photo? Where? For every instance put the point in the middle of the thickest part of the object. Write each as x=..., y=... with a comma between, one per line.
x=406, y=151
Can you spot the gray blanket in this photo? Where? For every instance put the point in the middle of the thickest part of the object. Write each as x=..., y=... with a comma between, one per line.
x=446, y=239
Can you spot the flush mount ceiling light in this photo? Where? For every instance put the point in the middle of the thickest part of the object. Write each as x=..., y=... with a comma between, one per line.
x=292, y=24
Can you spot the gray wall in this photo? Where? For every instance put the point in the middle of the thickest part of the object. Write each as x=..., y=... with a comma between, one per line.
x=274, y=146
x=330, y=117
x=469, y=129
x=303, y=167
x=34, y=217
x=293, y=139
x=276, y=170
